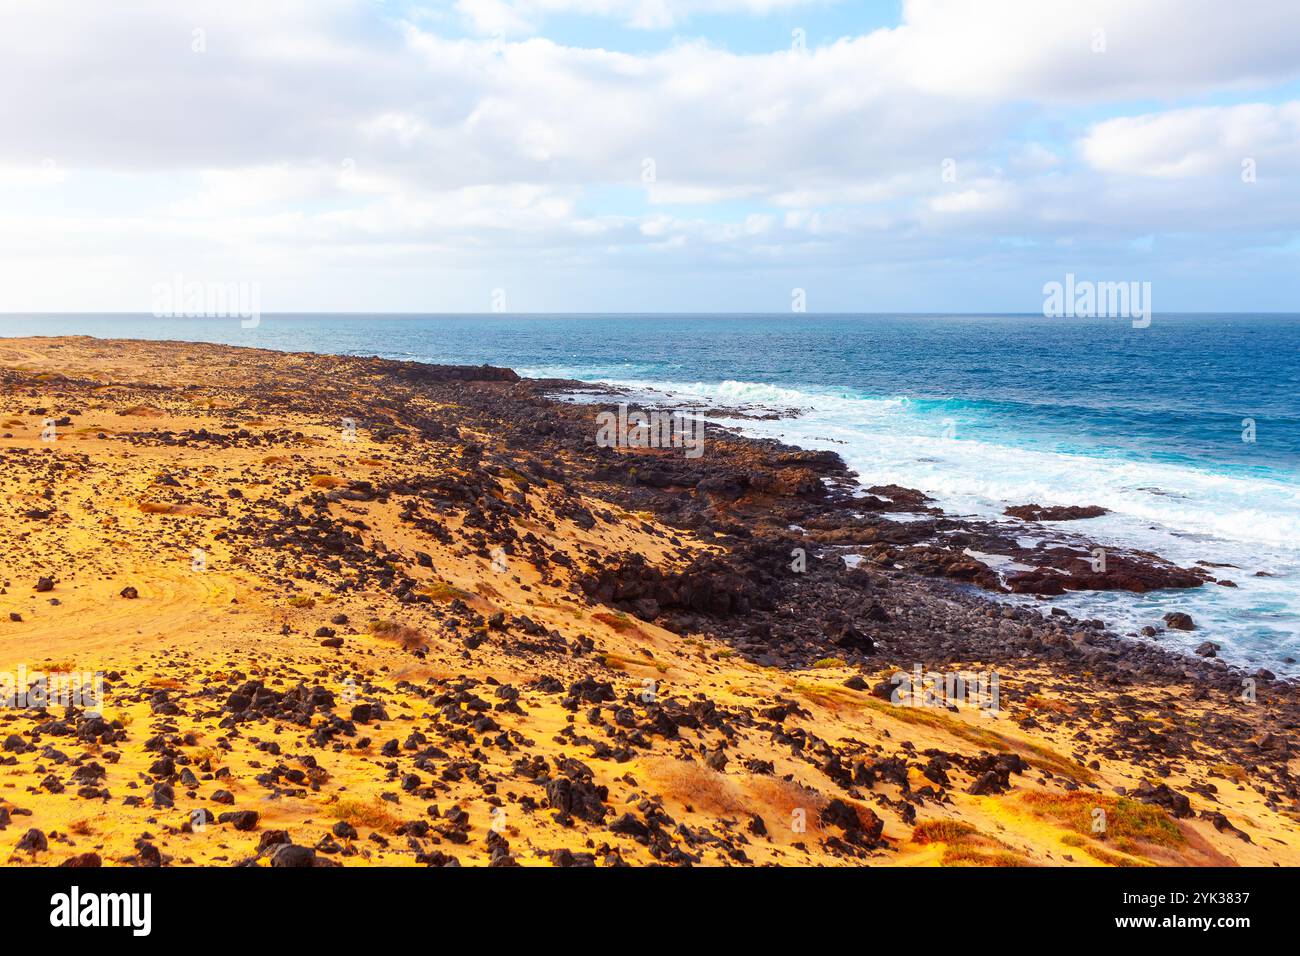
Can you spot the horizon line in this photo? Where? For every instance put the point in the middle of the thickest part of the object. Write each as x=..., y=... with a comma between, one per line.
x=599, y=314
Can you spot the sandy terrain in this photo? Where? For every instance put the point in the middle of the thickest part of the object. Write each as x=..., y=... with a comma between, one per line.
x=341, y=619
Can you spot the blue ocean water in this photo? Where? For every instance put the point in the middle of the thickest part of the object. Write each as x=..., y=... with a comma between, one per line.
x=1188, y=430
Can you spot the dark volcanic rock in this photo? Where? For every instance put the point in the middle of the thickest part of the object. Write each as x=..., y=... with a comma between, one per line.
x=292, y=855
x=1034, y=512
x=239, y=819
x=33, y=841
x=1162, y=795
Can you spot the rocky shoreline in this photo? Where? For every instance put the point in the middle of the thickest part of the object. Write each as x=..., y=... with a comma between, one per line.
x=465, y=608
x=768, y=499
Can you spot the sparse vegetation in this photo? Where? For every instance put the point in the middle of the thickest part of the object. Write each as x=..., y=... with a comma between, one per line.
x=1100, y=854
x=964, y=845
x=618, y=662
x=318, y=613
x=442, y=591
x=617, y=620
x=1231, y=771
x=1129, y=823
x=942, y=831
x=374, y=814
x=408, y=637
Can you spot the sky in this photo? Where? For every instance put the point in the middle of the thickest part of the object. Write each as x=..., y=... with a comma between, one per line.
x=649, y=155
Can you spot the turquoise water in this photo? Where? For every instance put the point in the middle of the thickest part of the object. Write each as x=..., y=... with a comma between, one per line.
x=979, y=411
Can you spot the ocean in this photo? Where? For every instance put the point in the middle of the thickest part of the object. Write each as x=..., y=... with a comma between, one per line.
x=1187, y=430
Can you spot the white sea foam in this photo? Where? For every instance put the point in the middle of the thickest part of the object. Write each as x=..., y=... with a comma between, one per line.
x=1184, y=513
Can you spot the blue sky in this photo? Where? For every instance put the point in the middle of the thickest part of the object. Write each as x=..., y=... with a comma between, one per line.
x=822, y=22
x=650, y=155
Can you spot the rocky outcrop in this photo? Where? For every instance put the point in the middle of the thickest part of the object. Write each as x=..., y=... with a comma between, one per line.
x=1035, y=512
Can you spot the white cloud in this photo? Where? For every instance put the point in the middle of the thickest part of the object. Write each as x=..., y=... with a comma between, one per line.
x=47, y=173
x=318, y=83
x=985, y=197
x=1087, y=50
x=1206, y=141
x=508, y=17
x=316, y=133
x=233, y=190
x=1035, y=158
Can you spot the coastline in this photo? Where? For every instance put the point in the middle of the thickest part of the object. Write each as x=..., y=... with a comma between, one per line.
x=1170, y=465
x=641, y=677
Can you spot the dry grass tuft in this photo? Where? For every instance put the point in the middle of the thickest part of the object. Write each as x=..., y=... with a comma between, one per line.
x=1100, y=854
x=834, y=699
x=374, y=815
x=620, y=662
x=1129, y=824
x=964, y=845
x=942, y=831
x=442, y=591
x=409, y=638
x=1231, y=771
x=697, y=786
x=622, y=623
x=617, y=620
x=715, y=794
x=970, y=856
